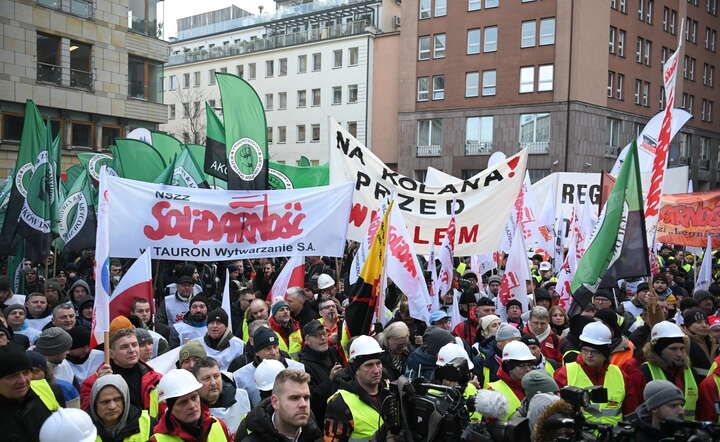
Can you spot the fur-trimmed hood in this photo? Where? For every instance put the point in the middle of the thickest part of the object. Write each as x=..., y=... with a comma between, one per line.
x=656, y=359
x=542, y=434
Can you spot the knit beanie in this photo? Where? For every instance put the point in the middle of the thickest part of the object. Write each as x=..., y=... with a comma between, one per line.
x=53, y=341
x=434, y=338
x=191, y=349
x=218, y=315
x=538, y=381
x=13, y=359
x=80, y=337
x=277, y=306
x=143, y=336
x=505, y=332
x=537, y=406
x=120, y=322
x=692, y=316
x=659, y=392
x=660, y=345
x=12, y=307
x=486, y=320
x=37, y=360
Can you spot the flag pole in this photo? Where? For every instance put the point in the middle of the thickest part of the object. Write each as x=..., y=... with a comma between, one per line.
x=106, y=346
x=55, y=258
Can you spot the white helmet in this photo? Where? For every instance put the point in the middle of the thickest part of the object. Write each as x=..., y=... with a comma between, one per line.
x=364, y=345
x=665, y=329
x=177, y=382
x=68, y=424
x=325, y=281
x=517, y=351
x=450, y=352
x=596, y=333
x=265, y=373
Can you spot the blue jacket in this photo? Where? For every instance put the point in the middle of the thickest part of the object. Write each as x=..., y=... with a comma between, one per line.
x=420, y=363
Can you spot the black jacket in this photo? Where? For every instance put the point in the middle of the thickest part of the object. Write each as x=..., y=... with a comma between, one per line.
x=21, y=420
x=318, y=366
x=259, y=423
x=307, y=314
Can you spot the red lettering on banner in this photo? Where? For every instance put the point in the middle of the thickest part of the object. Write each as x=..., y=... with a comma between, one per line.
x=416, y=237
x=509, y=282
x=440, y=235
x=690, y=216
x=204, y=225
x=358, y=212
x=401, y=250
x=468, y=236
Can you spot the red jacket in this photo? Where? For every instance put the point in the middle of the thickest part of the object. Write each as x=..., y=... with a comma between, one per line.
x=168, y=425
x=550, y=347
x=283, y=331
x=467, y=331
x=515, y=386
x=148, y=382
x=705, y=407
x=597, y=377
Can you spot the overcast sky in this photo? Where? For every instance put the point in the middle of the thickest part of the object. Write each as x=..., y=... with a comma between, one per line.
x=175, y=9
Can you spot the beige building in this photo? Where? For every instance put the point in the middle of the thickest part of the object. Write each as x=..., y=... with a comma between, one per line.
x=93, y=68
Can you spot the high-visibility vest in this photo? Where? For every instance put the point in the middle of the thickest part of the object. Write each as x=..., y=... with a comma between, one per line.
x=41, y=388
x=691, y=388
x=245, y=330
x=513, y=401
x=549, y=368
x=569, y=352
x=216, y=434
x=154, y=408
x=717, y=384
x=366, y=420
x=486, y=377
x=606, y=413
x=142, y=435
x=294, y=346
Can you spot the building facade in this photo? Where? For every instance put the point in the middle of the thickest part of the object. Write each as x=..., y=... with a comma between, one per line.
x=93, y=68
x=308, y=62
x=571, y=81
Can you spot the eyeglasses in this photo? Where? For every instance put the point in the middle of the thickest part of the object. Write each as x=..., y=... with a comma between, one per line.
x=325, y=307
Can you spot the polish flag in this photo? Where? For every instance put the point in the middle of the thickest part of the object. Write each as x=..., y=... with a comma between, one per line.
x=292, y=275
x=101, y=314
x=137, y=283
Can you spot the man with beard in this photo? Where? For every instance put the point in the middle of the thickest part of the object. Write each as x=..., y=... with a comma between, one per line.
x=322, y=363
x=285, y=415
x=330, y=319
x=193, y=325
x=219, y=393
x=288, y=328
x=219, y=342
x=39, y=312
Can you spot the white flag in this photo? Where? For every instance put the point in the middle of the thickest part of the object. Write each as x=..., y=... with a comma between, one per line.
x=101, y=308
x=226, y=298
x=704, y=277
x=445, y=278
x=482, y=264
x=517, y=273
x=567, y=272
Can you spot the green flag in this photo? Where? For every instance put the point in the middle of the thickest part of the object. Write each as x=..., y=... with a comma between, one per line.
x=618, y=248
x=68, y=178
x=15, y=268
x=77, y=216
x=137, y=160
x=93, y=162
x=245, y=134
x=283, y=176
x=5, y=195
x=34, y=137
x=56, y=201
x=198, y=153
x=183, y=172
x=215, y=163
x=166, y=145
x=304, y=161
x=166, y=175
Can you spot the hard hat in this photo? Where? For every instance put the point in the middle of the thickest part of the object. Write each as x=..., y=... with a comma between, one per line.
x=325, y=281
x=517, y=351
x=265, y=373
x=176, y=383
x=68, y=424
x=544, y=266
x=451, y=351
x=363, y=346
x=596, y=333
x=665, y=329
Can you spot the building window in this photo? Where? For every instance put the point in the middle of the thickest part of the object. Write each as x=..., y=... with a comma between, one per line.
x=337, y=95
x=706, y=112
x=646, y=94
x=196, y=75
x=315, y=132
x=142, y=17
x=186, y=110
x=425, y=9
x=439, y=48
x=648, y=52
x=638, y=91
x=688, y=102
x=353, y=55
x=474, y=5
x=527, y=34
x=473, y=41
x=710, y=39
x=471, y=84
x=352, y=128
x=282, y=134
x=610, y=84
x=438, y=87
x=317, y=62
x=424, y=47
x=353, y=93
x=283, y=67
x=527, y=79
x=547, y=31
x=268, y=101
x=108, y=134
x=440, y=8
x=612, y=38
x=302, y=64
x=12, y=125
x=691, y=30
x=621, y=43
x=478, y=135
x=337, y=58
x=490, y=39
x=545, y=78
x=144, y=79
x=619, y=88
x=80, y=66
x=708, y=74
x=82, y=134
x=649, y=11
x=613, y=135
x=711, y=8
x=316, y=97
x=48, y=59
x=489, y=83
x=535, y=132
x=300, y=136
x=186, y=80
x=492, y=4
x=301, y=98
x=269, y=68
x=269, y=135
x=171, y=112
x=704, y=152
x=429, y=133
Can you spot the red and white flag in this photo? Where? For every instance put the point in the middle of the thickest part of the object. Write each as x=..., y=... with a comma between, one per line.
x=292, y=275
x=136, y=283
x=517, y=273
x=567, y=272
x=704, y=278
x=445, y=277
x=101, y=308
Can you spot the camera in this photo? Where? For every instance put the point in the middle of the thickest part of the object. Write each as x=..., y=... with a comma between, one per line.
x=582, y=397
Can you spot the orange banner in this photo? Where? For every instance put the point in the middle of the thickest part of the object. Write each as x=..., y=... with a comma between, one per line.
x=686, y=219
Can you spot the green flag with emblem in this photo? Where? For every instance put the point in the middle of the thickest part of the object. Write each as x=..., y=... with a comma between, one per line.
x=245, y=134
x=284, y=176
x=15, y=268
x=184, y=172
x=93, y=162
x=68, y=178
x=215, y=162
x=77, y=217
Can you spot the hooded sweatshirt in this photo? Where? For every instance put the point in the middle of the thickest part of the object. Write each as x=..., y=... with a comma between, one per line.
x=78, y=283
x=128, y=423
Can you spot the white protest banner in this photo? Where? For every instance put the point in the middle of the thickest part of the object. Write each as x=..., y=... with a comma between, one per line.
x=427, y=209
x=181, y=223
x=515, y=277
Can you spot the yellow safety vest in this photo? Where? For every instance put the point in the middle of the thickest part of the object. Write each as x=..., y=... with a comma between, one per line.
x=691, y=388
x=486, y=377
x=549, y=368
x=366, y=420
x=513, y=401
x=245, y=330
x=295, y=346
x=607, y=413
x=141, y=436
x=717, y=384
x=216, y=434
x=41, y=388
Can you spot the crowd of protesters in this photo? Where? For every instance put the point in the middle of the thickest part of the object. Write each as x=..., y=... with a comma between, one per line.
x=285, y=371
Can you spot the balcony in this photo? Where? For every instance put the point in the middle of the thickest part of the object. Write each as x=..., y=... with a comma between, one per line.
x=536, y=147
x=433, y=150
x=49, y=73
x=81, y=8
x=81, y=79
x=478, y=148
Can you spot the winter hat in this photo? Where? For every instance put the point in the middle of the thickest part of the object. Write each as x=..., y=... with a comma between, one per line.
x=692, y=316
x=537, y=406
x=53, y=341
x=577, y=324
x=120, y=322
x=80, y=337
x=218, y=315
x=13, y=359
x=495, y=278
x=37, y=360
x=513, y=302
x=505, y=332
x=529, y=340
x=191, y=349
x=198, y=298
x=538, y=381
x=185, y=279
x=89, y=299
x=264, y=337
x=643, y=286
x=434, y=338
x=467, y=297
x=659, y=392
x=143, y=336
x=699, y=296
x=610, y=318
x=12, y=307
x=277, y=306
x=486, y=320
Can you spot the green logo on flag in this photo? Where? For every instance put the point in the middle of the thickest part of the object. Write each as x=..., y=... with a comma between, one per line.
x=72, y=221
x=96, y=162
x=246, y=159
x=182, y=178
x=22, y=178
x=36, y=206
x=278, y=180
